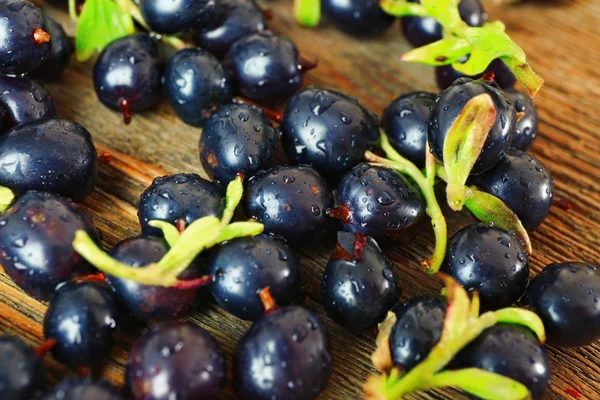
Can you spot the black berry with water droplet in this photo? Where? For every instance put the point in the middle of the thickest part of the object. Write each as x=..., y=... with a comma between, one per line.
x=327, y=130
x=377, y=202
x=128, y=75
x=285, y=355
x=36, y=242
x=488, y=260
x=21, y=372
x=445, y=75
x=358, y=286
x=237, y=138
x=512, y=351
x=448, y=106
x=405, y=123
x=26, y=41
x=24, y=100
x=54, y=155
x=242, y=267
x=60, y=54
x=418, y=328
x=175, y=16
x=83, y=389
x=83, y=319
x=357, y=17
x=240, y=18
x=523, y=183
x=566, y=296
x=180, y=196
x=175, y=360
x=266, y=67
x=197, y=85
x=291, y=202
x=527, y=120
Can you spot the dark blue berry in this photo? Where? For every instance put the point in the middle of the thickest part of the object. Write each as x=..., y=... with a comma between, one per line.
x=418, y=328
x=451, y=102
x=239, y=18
x=83, y=319
x=328, y=130
x=527, y=120
x=176, y=360
x=511, y=351
x=36, y=242
x=237, y=138
x=445, y=75
x=243, y=267
x=405, y=123
x=25, y=42
x=24, y=100
x=523, y=183
x=197, y=85
x=60, y=54
x=21, y=372
x=488, y=260
x=266, y=67
x=357, y=17
x=83, y=389
x=54, y=155
x=358, y=287
x=566, y=297
x=421, y=31
x=378, y=202
x=150, y=303
x=290, y=201
x=182, y=196
x=285, y=355
x=174, y=16
x=127, y=74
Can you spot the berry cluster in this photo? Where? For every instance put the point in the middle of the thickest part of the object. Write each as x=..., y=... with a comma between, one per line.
x=473, y=135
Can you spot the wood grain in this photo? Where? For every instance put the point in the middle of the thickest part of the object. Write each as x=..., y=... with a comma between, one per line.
x=561, y=39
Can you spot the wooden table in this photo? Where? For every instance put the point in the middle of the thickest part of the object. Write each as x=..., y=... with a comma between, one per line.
x=562, y=40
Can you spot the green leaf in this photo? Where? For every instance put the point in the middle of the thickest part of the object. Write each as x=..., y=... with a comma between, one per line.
x=402, y=8
x=483, y=384
x=6, y=198
x=488, y=208
x=233, y=196
x=307, y=12
x=463, y=144
x=443, y=52
x=458, y=310
x=100, y=22
x=169, y=231
x=445, y=11
x=240, y=229
x=520, y=316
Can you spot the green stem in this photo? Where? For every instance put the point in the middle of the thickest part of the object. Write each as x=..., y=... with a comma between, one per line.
x=402, y=8
x=175, y=42
x=73, y=11
x=6, y=198
x=170, y=232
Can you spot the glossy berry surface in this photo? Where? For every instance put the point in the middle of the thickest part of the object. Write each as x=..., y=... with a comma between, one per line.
x=180, y=196
x=511, y=351
x=328, y=130
x=149, y=303
x=243, y=267
x=24, y=39
x=566, y=297
x=265, y=67
x=291, y=202
x=448, y=106
x=285, y=355
x=526, y=128
x=127, y=74
x=418, y=328
x=21, y=372
x=55, y=155
x=196, y=84
x=421, y=31
x=83, y=389
x=83, y=319
x=174, y=16
x=358, y=287
x=377, y=202
x=36, y=242
x=237, y=138
x=489, y=260
x=175, y=360
x=24, y=100
x=60, y=53
x=445, y=75
x=357, y=17
x=523, y=183
x=405, y=123
x=239, y=18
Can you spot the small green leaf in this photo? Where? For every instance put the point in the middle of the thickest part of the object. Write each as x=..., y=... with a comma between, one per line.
x=520, y=316
x=483, y=384
x=169, y=231
x=233, y=196
x=402, y=8
x=463, y=144
x=443, y=52
x=100, y=22
x=458, y=310
x=6, y=198
x=488, y=208
x=240, y=229
x=307, y=12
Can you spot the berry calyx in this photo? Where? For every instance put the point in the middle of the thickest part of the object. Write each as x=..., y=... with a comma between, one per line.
x=305, y=65
x=126, y=109
x=40, y=36
x=267, y=300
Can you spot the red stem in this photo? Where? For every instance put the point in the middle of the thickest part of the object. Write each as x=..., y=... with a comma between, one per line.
x=126, y=109
x=193, y=283
x=267, y=300
x=181, y=225
x=489, y=76
x=96, y=277
x=45, y=347
x=104, y=158
x=342, y=213
x=40, y=36
x=306, y=65
x=359, y=245
x=267, y=13
x=85, y=372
